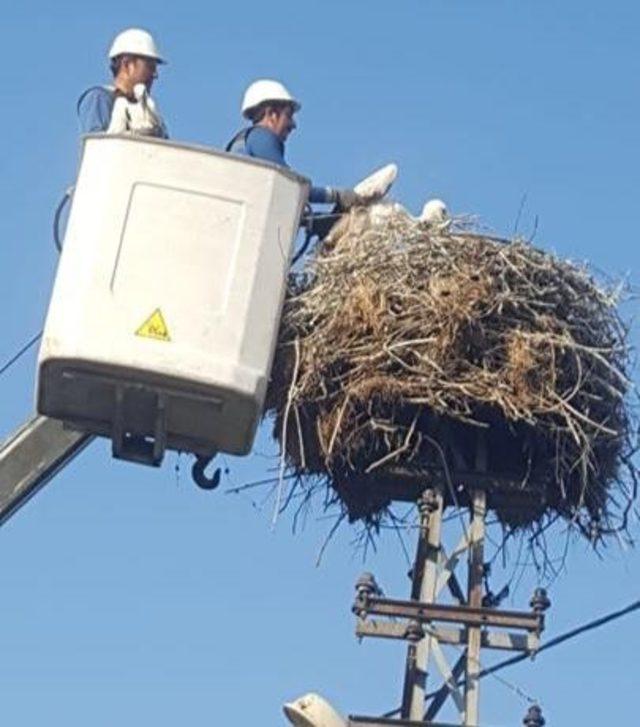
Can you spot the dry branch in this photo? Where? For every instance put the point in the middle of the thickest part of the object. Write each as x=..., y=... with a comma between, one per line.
x=399, y=343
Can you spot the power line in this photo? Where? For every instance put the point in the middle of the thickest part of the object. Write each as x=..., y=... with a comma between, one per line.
x=589, y=626
x=20, y=353
x=510, y=685
x=564, y=637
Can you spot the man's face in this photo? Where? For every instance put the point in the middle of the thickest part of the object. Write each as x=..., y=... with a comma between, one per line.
x=282, y=121
x=142, y=70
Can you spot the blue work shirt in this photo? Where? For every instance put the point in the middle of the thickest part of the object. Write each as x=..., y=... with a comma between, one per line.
x=262, y=143
x=94, y=109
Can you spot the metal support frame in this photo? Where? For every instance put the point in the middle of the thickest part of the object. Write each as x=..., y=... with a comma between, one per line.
x=417, y=620
x=423, y=590
x=473, y=616
x=359, y=721
x=474, y=643
x=135, y=447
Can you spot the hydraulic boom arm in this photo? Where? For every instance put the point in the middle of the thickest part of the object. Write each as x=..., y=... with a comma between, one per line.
x=31, y=457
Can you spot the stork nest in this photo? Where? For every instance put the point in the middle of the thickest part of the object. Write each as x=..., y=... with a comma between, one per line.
x=410, y=356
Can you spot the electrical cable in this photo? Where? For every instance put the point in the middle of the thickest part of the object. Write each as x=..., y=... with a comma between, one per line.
x=6, y=366
x=66, y=198
x=510, y=685
x=303, y=248
x=589, y=626
x=56, y=238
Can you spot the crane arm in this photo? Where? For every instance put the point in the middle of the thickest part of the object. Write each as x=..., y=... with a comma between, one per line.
x=31, y=457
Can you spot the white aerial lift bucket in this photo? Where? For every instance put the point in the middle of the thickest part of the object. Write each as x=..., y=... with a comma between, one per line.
x=166, y=304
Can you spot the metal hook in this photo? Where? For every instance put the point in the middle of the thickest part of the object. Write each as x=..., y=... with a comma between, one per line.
x=199, y=475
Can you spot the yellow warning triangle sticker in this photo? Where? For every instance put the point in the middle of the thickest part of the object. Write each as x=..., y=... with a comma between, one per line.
x=154, y=327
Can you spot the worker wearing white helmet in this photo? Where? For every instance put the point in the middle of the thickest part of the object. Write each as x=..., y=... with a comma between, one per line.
x=271, y=108
x=126, y=106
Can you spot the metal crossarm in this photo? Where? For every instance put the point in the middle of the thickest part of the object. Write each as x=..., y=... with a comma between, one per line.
x=498, y=640
x=477, y=616
x=358, y=721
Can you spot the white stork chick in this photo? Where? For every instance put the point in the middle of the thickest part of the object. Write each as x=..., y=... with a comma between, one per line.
x=379, y=212
x=435, y=214
x=139, y=116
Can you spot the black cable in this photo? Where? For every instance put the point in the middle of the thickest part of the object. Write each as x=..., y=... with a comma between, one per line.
x=303, y=247
x=560, y=639
x=58, y=215
x=590, y=626
x=20, y=353
x=56, y=238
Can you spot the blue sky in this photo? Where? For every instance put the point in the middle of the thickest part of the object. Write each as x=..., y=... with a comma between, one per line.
x=130, y=597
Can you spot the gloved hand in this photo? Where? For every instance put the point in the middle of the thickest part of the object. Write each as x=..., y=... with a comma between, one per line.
x=348, y=198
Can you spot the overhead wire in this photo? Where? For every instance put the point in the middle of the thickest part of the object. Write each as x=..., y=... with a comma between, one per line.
x=571, y=634
x=505, y=682
x=17, y=356
x=590, y=626
x=68, y=194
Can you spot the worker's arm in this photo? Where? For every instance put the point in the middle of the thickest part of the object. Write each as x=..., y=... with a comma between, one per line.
x=94, y=110
x=323, y=195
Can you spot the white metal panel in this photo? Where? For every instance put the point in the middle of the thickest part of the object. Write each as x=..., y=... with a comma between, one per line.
x=141, y=271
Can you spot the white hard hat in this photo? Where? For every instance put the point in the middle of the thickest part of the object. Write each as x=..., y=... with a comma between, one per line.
x=135, y=42
x=312, y=710
x=266, y=90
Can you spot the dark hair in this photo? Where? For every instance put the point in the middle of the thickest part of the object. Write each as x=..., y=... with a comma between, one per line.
x=260, y=111
x=116, y=63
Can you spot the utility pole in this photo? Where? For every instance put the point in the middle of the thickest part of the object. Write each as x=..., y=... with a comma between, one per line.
x=418, y=620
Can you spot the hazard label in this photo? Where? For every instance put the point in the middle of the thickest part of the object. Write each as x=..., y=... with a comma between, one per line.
x=154, y=327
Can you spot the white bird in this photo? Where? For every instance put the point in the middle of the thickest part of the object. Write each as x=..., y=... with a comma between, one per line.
x=383, y=210
x=376, y=185
x=149, y=122
x=435, y=213
x=139, y=117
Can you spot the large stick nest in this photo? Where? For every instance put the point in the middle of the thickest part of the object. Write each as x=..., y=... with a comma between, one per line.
x=409, y=355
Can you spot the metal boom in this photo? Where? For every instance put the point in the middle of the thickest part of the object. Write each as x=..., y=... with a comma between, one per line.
x=31, y=457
